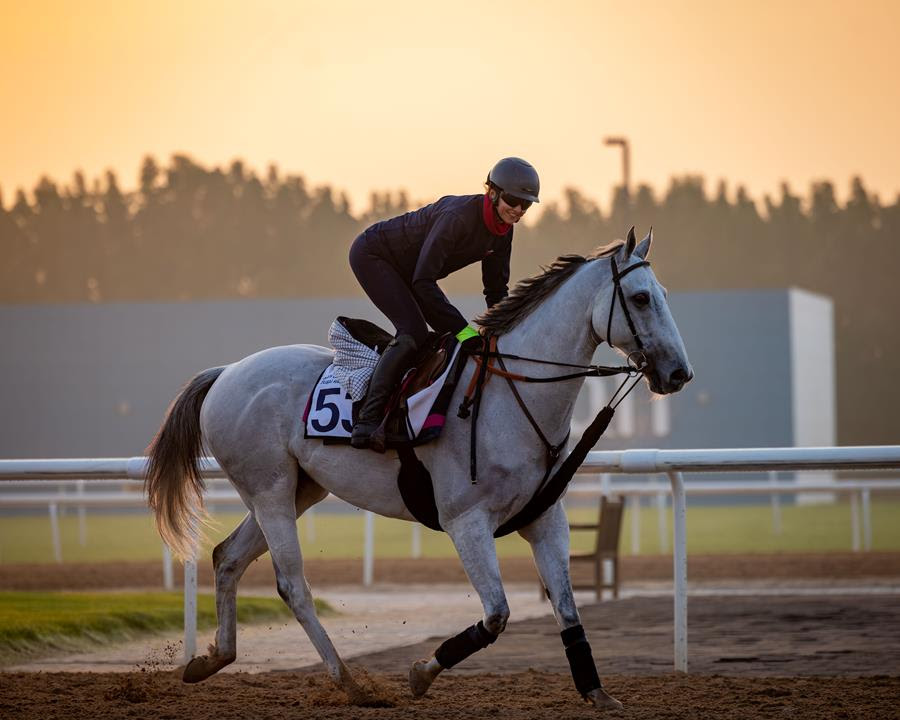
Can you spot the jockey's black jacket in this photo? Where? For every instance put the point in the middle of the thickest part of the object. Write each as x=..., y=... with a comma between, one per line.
x=430, y=243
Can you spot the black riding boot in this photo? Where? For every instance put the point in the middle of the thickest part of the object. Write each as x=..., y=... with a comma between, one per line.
x=394, y=361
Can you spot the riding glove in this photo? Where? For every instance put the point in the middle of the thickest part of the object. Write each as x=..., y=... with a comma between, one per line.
x=469, y=339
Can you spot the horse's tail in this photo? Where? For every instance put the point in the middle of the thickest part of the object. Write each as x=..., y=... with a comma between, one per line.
x=173, y=485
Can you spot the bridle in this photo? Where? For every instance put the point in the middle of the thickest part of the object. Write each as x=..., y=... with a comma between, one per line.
x=637, y=365
x=620, y=294
x=636, y=358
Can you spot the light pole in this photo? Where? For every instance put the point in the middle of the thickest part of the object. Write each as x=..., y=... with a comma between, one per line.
x=626, y=163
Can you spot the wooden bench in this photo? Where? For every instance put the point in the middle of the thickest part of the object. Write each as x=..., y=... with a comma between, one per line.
x=606, y=548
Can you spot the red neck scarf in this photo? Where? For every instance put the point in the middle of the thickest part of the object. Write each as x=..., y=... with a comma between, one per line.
x=491, y=219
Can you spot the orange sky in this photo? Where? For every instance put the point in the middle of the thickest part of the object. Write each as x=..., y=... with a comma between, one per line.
x=427, y=96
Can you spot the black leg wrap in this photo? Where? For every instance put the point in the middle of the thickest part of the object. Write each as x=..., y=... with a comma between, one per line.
x=458, y=648
x=581, y=662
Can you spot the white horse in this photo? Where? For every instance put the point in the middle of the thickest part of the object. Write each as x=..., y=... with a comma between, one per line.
x=248, y=413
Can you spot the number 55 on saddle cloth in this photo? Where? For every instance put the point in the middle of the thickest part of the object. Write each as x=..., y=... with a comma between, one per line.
x=418, y=408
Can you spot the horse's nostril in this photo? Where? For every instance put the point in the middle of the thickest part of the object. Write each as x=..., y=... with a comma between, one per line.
x=679, y=377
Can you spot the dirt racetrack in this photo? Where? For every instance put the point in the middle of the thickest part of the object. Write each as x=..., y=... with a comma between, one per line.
x=520, y=696
x=828, y=654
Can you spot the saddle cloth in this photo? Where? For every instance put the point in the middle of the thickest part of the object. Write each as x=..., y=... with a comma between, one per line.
x=416, y=412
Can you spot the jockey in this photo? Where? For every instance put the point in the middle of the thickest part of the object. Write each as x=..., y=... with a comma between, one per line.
x=399, y=261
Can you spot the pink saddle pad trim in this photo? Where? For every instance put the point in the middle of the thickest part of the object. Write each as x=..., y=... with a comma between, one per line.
x=433, y=420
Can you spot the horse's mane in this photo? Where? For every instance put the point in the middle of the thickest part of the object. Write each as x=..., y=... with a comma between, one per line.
x=530, y=292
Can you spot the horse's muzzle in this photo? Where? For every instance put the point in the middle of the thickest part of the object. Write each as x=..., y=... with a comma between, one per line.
x=680, y=377
x=666, y=384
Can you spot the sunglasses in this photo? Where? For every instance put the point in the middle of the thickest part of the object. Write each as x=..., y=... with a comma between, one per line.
x=514, y=201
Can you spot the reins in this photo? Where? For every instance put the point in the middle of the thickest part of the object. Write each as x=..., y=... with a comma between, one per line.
x=589, y=370
x=484, y=359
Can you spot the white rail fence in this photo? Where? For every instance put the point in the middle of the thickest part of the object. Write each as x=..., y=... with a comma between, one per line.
x=672, y=463
x=126, y=493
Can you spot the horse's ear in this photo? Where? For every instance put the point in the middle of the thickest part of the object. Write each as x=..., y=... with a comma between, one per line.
x=629, y=243
x=643, y=250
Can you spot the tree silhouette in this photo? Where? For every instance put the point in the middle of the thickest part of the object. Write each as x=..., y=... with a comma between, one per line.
x=190, y=232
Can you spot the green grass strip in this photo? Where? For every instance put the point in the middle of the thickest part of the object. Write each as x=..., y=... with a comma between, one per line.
x=711, y=529
x=37, y=623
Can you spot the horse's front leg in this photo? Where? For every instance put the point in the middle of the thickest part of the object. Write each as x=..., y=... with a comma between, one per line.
x=474, y=541
x=549, y=540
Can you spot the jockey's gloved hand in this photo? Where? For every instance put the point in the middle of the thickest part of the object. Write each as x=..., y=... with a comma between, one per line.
x=470, y=340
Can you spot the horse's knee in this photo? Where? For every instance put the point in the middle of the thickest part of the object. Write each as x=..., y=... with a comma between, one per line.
x=495, y=620
x=564, y=607
x=568, y=617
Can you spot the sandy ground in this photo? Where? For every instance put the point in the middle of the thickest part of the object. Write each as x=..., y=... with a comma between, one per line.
x=830, y=656
x=367, y=621
x=519, y=696
x=817, y=637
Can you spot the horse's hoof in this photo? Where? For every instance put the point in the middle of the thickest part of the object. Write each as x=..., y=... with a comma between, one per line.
x=201, y=667
x=420, y=678
x=600, y=700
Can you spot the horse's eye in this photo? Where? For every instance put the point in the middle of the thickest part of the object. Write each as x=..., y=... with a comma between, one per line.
x=641, y=299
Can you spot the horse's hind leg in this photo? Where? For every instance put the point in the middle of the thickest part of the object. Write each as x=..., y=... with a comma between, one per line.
x=231, y=558
x=279, y=527
x=549, y=540
x=474, y=541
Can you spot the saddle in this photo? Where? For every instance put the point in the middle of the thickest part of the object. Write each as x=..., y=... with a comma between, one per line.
x=416, y=411
x=415, y=414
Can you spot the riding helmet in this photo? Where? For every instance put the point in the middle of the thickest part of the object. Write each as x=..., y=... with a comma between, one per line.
x=517, y=177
